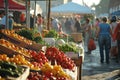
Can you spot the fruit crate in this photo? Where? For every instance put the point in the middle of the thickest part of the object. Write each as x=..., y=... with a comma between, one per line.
x=10, y=52
x=35, y=46
x=32, y=46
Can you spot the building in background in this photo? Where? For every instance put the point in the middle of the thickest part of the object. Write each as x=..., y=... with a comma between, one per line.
x=44, y=4
x=114, y=6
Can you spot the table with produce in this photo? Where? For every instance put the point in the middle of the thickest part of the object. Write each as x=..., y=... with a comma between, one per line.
x=28, y=55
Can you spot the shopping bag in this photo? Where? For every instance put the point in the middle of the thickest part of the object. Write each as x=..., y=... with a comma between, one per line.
x=114, y=51
x=91, y=45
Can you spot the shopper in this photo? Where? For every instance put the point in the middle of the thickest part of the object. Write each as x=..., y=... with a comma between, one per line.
x=87, y=31
x=68, y=26
x=104, y=40
x=39, y=22
x=95, y=29
x=3, y=20
x=77, y=25
x=11, y=21
x=116, y=36
x=56, y=24
x=113, y=43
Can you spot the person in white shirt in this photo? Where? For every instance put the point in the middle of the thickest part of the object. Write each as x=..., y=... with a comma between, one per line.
x=2, y=20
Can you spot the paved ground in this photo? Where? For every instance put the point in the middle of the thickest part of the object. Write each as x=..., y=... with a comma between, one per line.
x=92, y=69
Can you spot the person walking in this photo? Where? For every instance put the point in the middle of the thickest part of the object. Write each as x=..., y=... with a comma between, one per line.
x=104, y=40
x=97, y=22
x=116, y=36
x=87, y=32
x=113, y=49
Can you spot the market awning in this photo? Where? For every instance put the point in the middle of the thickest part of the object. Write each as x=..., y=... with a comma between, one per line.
x=117, y=13
x=13, y=5
x=71, y=8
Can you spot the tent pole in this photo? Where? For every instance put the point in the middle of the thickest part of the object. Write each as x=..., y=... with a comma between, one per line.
x=35, y=13
x=49, y=6
x=28, y=13
x=6, y=13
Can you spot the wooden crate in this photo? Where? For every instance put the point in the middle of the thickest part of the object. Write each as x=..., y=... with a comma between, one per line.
x=77, y=37
x=10, y=52
x=34, y=46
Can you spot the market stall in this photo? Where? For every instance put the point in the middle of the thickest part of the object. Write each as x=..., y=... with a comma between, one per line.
x=43, y=62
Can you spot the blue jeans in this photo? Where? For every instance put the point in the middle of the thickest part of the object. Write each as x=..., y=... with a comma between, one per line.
x=104, y=42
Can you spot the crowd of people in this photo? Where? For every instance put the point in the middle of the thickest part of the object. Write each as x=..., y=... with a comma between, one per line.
x=105, y=30
x=108, y=34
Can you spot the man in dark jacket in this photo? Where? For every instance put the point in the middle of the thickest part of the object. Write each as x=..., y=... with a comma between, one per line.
x=77, y=25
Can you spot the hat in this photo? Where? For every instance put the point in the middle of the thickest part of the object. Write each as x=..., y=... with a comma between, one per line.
x=10, y=15
x=114, y=18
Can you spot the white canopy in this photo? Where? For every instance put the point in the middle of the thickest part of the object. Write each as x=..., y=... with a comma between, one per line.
x=71, y=8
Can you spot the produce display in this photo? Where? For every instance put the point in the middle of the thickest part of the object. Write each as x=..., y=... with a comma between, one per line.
x=15, y=48
x=32, y=35
x=51, y=34
x=10, y=69
x=44, y=65
x=18, y=60
x=39, y=58
x=53, y=54
x=49, y=72
x=14, y=35
x=70, y=47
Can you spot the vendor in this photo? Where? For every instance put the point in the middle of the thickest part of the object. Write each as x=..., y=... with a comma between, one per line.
x=11, y=21
x=3, y=20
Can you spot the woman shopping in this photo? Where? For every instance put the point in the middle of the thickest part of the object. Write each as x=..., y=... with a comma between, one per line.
x=104, y=40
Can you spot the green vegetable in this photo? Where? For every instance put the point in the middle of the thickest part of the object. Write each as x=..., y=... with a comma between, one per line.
x=26, y=33
x=67, y=48
x=5, y=73
x=52, y=34
x=9, y=69
x=8, y=65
